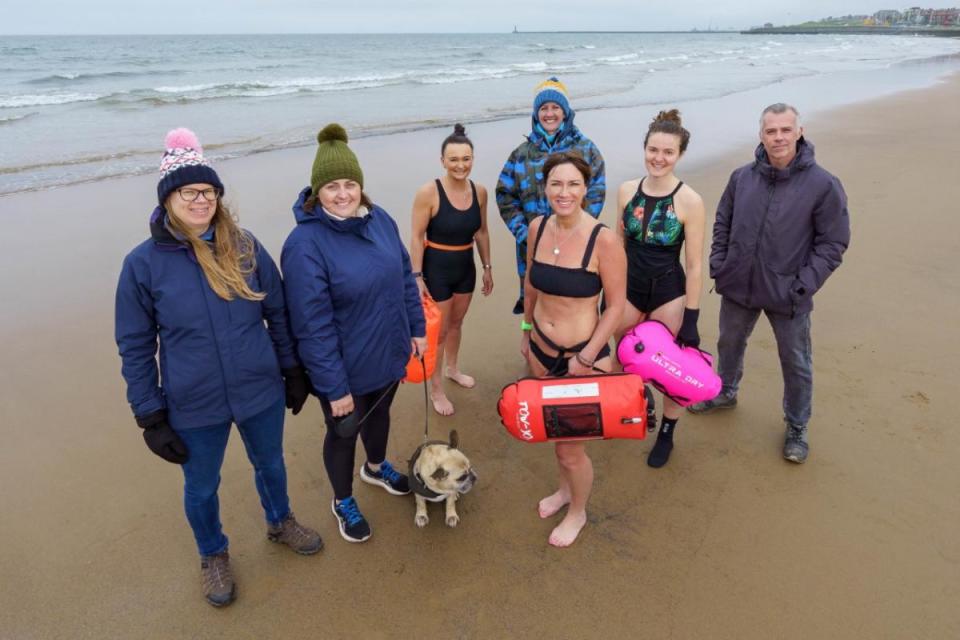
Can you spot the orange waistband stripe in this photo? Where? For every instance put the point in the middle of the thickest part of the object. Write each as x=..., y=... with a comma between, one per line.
x=448, y=247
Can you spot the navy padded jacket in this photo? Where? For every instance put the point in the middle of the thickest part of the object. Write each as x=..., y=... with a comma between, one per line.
x=353, y=301
x=219, y=360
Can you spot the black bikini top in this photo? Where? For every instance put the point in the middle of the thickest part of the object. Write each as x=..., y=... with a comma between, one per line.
x=570, y=282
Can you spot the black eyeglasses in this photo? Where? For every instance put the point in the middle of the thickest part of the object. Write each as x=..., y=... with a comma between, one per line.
x=191, y=195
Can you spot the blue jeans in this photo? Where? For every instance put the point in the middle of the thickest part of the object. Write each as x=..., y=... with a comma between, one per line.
x=263, y=439
x=793, y=346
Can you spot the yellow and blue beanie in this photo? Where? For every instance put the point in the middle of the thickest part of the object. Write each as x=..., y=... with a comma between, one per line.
x=551, y=90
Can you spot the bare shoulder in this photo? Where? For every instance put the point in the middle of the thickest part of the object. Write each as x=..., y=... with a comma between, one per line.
x=534, y=225
x=428, y=196
x=607, y=237
x=628, y=188
x=428, y=190
x=481, y=193
x=687, y=196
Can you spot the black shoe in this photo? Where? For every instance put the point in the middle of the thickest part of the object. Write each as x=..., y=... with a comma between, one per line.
x=394, y=482
x=795, y=446
x=709, y=406
x=518, y=308
x=353, y=526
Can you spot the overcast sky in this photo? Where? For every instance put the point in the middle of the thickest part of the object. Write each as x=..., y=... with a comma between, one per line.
x=399, y=16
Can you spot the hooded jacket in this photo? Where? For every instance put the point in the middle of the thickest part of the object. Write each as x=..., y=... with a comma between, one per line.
x=218, y=362
x=520, y=194
x=779, y=233
x=353, y=302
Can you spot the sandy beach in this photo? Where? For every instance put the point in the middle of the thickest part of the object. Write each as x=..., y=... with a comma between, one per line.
x=727, y=541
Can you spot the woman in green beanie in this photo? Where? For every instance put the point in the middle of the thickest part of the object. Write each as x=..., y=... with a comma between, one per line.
x=355, y=312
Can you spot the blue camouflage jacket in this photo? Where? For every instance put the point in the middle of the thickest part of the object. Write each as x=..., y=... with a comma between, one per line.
x=520, y=194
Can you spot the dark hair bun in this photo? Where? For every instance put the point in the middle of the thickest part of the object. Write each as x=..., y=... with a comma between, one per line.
x=459, y=136
x=668, y=116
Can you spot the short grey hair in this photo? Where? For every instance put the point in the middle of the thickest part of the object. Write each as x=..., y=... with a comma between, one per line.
x=778, y=108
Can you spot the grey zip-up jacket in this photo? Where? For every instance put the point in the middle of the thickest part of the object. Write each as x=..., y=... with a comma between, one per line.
x=779, y=233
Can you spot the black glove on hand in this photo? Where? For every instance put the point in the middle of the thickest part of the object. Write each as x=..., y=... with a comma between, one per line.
x=161, y=438
x=688, y=336
x=297, y=387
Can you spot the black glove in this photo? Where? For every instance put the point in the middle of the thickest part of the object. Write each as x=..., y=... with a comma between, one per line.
x=161, y=438
x=297, y=387
x=688, y=336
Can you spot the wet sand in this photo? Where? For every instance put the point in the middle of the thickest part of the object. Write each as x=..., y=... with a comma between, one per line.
x=727, y=541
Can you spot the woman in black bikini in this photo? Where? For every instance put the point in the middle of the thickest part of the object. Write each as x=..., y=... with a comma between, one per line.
x=659, y=216
x=449, y=215
x=571, y=261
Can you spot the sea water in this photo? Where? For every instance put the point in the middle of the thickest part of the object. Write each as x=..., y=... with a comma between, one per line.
x=78, y=108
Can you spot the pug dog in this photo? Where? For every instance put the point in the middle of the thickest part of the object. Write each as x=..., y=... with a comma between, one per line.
x=440, y=472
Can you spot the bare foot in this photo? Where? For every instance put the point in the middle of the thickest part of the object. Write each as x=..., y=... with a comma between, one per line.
x=553, y=503
x=441, y=404
x=569, y=528
x=462, y=379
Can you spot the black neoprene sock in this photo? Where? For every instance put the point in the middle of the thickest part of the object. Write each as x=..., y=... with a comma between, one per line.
x=664, y=444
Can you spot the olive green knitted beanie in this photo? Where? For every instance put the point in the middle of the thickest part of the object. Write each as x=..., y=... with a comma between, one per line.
x=334, y=159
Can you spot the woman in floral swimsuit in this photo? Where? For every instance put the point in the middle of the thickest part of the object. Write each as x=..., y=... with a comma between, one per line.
x=660, y=216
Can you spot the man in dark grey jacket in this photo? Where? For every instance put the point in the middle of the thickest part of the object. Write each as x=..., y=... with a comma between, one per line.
x=781, y=229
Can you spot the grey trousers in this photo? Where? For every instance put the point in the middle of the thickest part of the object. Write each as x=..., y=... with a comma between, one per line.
x=793, y=345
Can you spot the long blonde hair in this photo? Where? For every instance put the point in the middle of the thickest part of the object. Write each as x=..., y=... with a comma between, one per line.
x=231, y=259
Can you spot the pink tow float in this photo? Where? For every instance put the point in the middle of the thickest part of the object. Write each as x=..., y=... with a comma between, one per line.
x=684, y=374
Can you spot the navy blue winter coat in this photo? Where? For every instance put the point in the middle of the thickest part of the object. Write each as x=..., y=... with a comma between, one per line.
x=353, y=301
x=218, y=360
x=779, y=233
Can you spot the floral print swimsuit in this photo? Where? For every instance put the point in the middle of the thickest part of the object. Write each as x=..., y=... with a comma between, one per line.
x=654, y=236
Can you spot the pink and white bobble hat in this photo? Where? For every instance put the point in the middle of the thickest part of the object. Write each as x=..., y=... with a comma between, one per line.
x=183, y=164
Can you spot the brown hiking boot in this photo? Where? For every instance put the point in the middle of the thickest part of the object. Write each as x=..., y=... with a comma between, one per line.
x=218, y=586
x=301, y=539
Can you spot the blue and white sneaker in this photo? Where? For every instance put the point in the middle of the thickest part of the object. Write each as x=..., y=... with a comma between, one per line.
x=353, y=526
x=394, y=482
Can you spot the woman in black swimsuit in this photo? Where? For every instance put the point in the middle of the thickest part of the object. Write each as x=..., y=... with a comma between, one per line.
x=571, y=261
x=659, y=216
x=449, y=215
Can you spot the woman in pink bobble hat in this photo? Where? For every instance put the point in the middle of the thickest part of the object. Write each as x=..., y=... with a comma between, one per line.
x=202, y=329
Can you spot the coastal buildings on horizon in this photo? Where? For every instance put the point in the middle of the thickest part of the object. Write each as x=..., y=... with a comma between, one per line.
x=911, y=18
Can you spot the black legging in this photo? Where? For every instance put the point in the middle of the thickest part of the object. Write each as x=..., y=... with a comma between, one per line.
x=339, y=453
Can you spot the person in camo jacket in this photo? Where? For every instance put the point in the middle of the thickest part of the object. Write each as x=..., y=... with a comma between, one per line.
x=520, y=195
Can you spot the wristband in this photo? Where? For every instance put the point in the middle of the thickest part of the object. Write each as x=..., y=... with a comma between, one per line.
x=487, y=266
x=586, y=363
x=417, y=274
x=526, y=326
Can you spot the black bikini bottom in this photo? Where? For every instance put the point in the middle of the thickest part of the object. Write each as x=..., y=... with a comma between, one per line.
x=559, y=365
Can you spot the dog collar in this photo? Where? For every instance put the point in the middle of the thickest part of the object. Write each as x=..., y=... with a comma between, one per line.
x=416, y=482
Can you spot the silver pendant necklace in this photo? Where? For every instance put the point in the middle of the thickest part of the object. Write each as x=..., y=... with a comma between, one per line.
x=557, y=245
